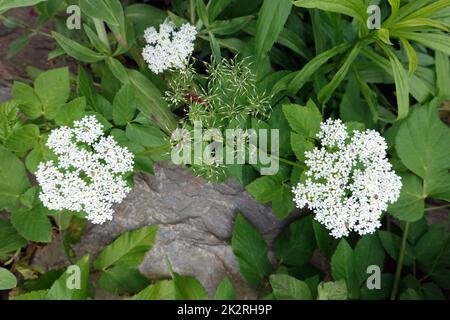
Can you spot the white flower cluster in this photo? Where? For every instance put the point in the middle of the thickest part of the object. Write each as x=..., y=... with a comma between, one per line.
x=89, y=174
x=349, y=182
x=168, y=48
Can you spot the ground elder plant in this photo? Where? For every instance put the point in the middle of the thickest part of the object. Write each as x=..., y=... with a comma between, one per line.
x=348, y=182
x=350, y=97
x=88, y=175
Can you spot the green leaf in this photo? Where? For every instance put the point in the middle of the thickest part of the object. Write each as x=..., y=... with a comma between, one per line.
x=225, y=290
x=10, y=4
x=343, y=267
x=435, y=41
x=264, y=188
x=401, y=82
x=271, y=20
x=23, y=138
x=148, y=136
x=33, y=295
x=352, y=8
x=96, y=41
x=300, y=144
x=326, y=92
x=286, y=287
x=391, y=243
x=40, y=153
x=85, y=87
x=410, y=206
x=368, y=251
x=127, y=250
x=412, y=55
x=325, y=242
x=124, y=106
x=76, y=50
x=53, y=89
x=296, y=245
x=202, y=12
x=282, y=203
x=433, y=249
x=10, y=240
x=13, y=180
x=143, y=16
x=188, y=288
x=33, y=224
x=151, y=103
x=17, y=45
x=251, y=251
x=227, y=27
x=304, y=120
x=117, y=69
x=109, y=11
x=215, y=7
x=423, y=145
x=162, y=290
x=122, y=279
x=27, y=99
x=442, y=73
x=307, y=72
x=7, y=280
x=383, y=293
x=60, y=290
x=70, y=112
x=332, y=290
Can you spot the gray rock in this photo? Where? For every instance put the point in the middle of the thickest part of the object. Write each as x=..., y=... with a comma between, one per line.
x=195, y=221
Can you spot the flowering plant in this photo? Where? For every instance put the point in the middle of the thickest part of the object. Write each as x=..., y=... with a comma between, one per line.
x=348, y=182
x=88, y=175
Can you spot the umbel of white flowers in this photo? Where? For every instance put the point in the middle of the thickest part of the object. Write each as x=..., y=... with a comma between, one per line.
x=88, y=175
x=348, y=182
x=168, y=48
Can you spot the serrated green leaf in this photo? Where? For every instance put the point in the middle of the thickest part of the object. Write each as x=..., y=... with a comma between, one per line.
x=304, y=120
x=13, y=180
x=125, y=105
x=188, y=288
x=332, y=290
x=122, y=279
x=368, y=251
x=23, y=138
x=410, y=206
x=251, y=251
x=286, y=287
x=343, y=267
x=225, y=290
x=7, y=279
x=127, y=250
x=60, y=290
x=162, y=290
x=53, y=89
x=33, y=224
x=296, y=245
x=10, y=240
x=423, y=145
x=27, y=99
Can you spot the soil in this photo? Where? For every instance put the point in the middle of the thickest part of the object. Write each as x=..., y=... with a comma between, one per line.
x=35, y=54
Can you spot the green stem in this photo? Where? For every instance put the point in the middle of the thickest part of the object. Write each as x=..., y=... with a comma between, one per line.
x=437, y=208
x=101, y=31
x=401, y=255
x=192, y=11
